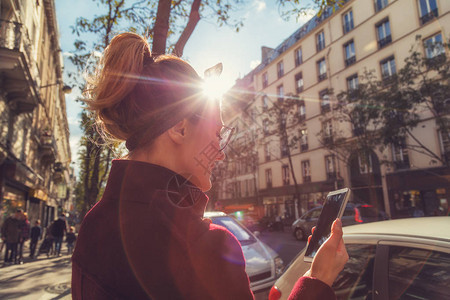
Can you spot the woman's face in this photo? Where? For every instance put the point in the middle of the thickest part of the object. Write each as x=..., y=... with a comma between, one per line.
x=202, y=150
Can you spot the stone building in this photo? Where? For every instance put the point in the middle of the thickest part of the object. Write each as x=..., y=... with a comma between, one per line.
x=34, y=134
x=329, y=53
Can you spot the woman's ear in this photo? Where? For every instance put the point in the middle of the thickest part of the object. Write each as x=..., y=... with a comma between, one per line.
x=177, y=133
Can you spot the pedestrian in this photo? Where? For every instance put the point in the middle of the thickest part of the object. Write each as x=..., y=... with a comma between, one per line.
x=35, y=236
x=70, y=239
x=24, y=235
x=11, y=236
x=146, y=238
x=59, y=228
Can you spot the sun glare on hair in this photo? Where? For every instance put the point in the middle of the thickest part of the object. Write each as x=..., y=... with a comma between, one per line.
x=214, y=88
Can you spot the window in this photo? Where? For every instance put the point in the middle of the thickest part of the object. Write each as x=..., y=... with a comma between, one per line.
x=445, y=145
x=303, y=140
x=301, y=109
x=320, y=38
x=383, y=33
x=352, y=82
x=428, y=10
x=400, y=156
x=265, y=80
x=285, y=174
x=416, y=273
x=355, y=280
x=324, y=101
x=298, y=57
x=349, y=49
x=327, y=128
x=347, y=20
x=306, y=171
x=280, y=93
x=434, y=46
x=299, y=82
x=280, y=69
x=330, y=167
x=322, y=68
x=380, y=4
x=266, y=127
x=284, y=146
x=267, y=152
x=388, y=67
x=265, y=102
x=365, y=163
x=268, y=178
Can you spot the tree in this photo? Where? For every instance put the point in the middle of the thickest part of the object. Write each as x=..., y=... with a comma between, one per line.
x=282, y=119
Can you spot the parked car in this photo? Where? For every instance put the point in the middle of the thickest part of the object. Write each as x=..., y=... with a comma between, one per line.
x=262, y=264
x=395, y=259
x=353, y=214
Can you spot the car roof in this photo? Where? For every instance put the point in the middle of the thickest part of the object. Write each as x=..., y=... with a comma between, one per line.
x=428, y=227
x=211, y=214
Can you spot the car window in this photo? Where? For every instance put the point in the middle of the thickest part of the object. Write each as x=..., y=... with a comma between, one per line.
x=418, y=274
x=348, y=212
x=243, y=236
x=315, y=213
x=368, y=211
x=355, y=281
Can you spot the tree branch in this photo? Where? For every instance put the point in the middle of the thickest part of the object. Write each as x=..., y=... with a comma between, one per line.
x=194, y=17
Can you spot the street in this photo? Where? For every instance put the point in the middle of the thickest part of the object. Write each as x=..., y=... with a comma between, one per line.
x=283, y=243
x=40, y=279
x=49, y=278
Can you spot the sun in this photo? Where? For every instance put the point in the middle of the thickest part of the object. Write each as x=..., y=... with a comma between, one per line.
x=214, y=87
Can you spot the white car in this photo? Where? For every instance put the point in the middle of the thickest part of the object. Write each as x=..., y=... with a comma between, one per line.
x=396, y=259
x=262, y=264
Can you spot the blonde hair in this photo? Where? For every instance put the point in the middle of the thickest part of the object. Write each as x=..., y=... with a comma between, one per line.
x=136, y=97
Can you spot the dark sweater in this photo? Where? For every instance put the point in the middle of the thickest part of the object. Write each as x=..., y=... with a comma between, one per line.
x=137, y=244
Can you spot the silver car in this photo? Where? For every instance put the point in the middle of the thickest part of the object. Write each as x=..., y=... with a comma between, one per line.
x=262, y=264
x=396, y=259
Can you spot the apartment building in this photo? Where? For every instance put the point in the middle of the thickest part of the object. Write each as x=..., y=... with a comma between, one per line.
x=327, y=55
x=34, y=134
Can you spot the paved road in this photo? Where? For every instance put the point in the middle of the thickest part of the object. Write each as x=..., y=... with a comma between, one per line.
x=283, y=243
x=41, y=279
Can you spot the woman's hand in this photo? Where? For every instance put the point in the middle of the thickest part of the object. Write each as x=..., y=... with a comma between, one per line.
x=331, y=256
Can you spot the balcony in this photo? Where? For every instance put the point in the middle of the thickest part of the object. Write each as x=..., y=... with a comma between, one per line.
x=331, y=175
x=384, y=41
x=303, y=147
x=299, y=89
x=15, y=67
x=47, y=148
x=322, y=76
x=324, y=108
x=306, y=179
x=328, y=140
x=429, y=16
x=350, y=61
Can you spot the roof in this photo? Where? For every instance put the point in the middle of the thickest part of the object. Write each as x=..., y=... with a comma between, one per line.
x=429, y=227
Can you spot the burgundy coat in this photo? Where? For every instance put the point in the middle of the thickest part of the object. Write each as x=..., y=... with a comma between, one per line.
x=147, y=239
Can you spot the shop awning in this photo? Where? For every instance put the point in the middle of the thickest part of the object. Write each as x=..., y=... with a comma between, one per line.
x=38, y=193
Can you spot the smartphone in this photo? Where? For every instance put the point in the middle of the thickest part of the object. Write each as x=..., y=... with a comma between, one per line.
x=333, y=208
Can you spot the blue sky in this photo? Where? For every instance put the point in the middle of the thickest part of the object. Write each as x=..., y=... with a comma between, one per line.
x=208, y=45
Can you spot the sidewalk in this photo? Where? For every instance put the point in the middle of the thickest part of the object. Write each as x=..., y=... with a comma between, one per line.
x=42, y=278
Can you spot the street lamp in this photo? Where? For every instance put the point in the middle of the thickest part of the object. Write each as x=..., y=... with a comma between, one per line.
x=67, y=89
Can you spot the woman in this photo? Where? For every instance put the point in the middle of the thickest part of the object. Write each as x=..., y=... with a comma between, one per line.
x=146, y=238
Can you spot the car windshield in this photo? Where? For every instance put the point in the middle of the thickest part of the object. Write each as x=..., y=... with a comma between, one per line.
x=242, y=234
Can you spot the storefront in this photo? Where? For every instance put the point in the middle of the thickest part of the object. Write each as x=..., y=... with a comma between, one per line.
x=419, y=193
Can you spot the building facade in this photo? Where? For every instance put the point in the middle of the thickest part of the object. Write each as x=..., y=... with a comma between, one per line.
x=34, y=134
x=327, y=55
